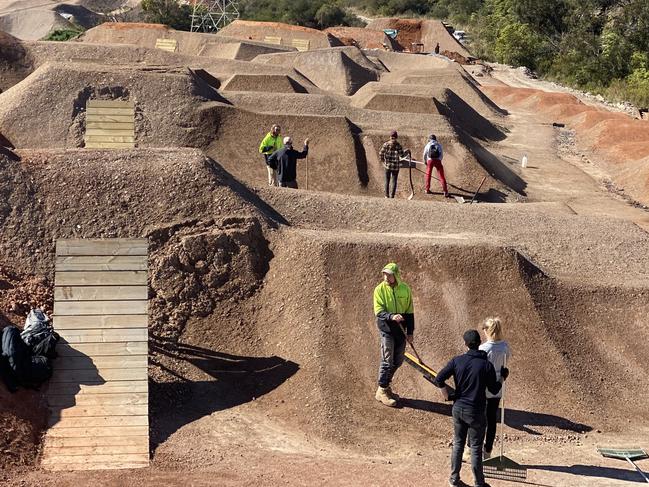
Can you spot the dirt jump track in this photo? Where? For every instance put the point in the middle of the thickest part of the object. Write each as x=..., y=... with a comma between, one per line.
x=263, y=349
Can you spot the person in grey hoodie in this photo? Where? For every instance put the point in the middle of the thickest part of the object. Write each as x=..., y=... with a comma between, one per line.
x=498, y=353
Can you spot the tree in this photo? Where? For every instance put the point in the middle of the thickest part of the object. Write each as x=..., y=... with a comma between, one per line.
x=168, y=12
x=518, y=45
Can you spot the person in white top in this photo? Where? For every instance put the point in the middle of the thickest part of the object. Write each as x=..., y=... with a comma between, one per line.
x=498, y=353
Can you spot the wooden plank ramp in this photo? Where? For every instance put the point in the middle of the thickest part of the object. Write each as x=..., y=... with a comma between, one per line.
x=109, y=125
x=98, y=397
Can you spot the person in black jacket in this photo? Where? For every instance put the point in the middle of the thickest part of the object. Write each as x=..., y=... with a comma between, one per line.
x=473, y=375
x=285, y=160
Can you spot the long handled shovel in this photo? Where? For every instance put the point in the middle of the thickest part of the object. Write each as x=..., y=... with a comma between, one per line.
x=306, y=163
x=501, y=467
x=412, y=188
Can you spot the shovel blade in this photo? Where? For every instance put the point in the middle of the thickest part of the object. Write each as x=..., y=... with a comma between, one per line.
x=459, y=199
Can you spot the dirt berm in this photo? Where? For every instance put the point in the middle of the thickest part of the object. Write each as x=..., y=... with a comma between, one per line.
x=192, y=44
x=340, y=70
x=259, y=31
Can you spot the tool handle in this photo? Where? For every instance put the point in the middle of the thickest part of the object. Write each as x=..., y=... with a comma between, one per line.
x=638, y=469
x=502, y=416
x=478, y=190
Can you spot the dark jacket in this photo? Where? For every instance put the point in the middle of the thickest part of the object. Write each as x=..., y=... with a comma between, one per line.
x=473, y=375
x=285, y=161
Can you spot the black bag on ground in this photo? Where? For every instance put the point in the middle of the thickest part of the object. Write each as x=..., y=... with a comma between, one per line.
x=16, y=352
x=39, y=335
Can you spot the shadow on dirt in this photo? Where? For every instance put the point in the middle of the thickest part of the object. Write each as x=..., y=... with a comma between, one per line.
x=592, y=471
x=244, y=192
x=235, y=380
x=517, y=419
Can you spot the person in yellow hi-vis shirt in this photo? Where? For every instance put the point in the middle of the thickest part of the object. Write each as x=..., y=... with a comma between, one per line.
x=394, y=312
x=271, y=142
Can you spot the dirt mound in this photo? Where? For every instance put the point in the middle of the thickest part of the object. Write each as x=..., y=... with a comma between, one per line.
x=59, y=120
x=239, y=133
x=341, y=70
x=258, y=31
x=189, y=43
x=403, y=62
x=245, y=51
x=359, y=37
x=264, y=83
x=32, y=24
x=15, y=62
x=426, y=32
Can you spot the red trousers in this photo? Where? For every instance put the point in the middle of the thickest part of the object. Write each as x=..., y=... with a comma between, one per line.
x=437, y=164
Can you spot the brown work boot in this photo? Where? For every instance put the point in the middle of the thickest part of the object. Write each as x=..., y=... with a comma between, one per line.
x=391, y=394
x=383, y=397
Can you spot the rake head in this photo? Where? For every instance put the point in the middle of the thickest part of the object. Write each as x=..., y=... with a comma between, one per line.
x=503, y=468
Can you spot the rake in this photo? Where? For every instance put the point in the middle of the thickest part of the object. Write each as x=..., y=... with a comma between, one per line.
x=631, y=455
x=502, y=467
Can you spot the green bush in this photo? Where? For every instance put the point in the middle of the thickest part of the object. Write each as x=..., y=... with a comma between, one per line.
x=63, y=34
x=518, y=45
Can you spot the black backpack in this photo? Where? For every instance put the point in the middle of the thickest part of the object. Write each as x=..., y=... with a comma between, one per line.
x=39, y=335
x=433, y=151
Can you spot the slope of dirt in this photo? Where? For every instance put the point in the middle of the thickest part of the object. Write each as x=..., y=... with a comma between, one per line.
x=339, y=70
x=359, y=37
x=125, y=193
x=263, y=83
x=15, y=62
x=619, y=142
x=426, y=32
x=59, y=120
x=32, y=24
x=404, y=62
x=239, y=133
x=258, y=31
x=245, y=51
x=193, y=44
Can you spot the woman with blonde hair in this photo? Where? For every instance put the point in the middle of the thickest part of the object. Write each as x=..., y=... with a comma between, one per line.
x=498, y=353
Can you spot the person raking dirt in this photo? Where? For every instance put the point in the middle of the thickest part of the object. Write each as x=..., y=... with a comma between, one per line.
x=285, y=161
x=433, y=154
x=389, y=156
x=270, y=143
x=393, y=309
x=473, y=375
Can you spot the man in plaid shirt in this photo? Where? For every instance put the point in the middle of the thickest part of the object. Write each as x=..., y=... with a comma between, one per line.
x=389, y=156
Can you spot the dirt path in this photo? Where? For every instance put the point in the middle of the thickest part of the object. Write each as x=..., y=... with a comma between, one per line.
x=557, y=170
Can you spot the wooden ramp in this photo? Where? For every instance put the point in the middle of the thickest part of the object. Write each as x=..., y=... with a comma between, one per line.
x=98, y=400
x=110, y=124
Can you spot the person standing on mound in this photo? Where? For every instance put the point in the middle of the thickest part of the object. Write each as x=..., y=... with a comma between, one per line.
x=389, y=156
x=394, y=311
x=270, y=143
x=433, y=154
x=285, y=160
x=473, y=375
x=498, y=353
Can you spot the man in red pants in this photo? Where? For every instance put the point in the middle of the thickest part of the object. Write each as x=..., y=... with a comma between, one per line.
x=433, y=154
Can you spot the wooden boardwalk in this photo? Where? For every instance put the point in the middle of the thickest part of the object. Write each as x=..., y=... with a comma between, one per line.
x=98, y=400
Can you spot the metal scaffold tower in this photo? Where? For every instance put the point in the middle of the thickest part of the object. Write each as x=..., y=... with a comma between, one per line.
x=212, y=15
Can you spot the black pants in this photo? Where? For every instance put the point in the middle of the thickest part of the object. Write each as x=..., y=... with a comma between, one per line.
x=394, y=175
x=468, y=423
x=288, y=184
x=492, y=422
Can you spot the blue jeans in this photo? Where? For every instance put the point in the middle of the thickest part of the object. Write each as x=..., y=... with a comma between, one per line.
x=392, y=353
x=472, y=423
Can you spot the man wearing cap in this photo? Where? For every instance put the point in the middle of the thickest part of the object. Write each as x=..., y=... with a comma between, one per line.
x=285, y=160
x=395, y=319
x=433, y=154
x=270, y=143
x=389, y=156
x=473, y=375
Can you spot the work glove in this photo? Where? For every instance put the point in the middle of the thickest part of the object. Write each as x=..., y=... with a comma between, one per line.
x=504, y=373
